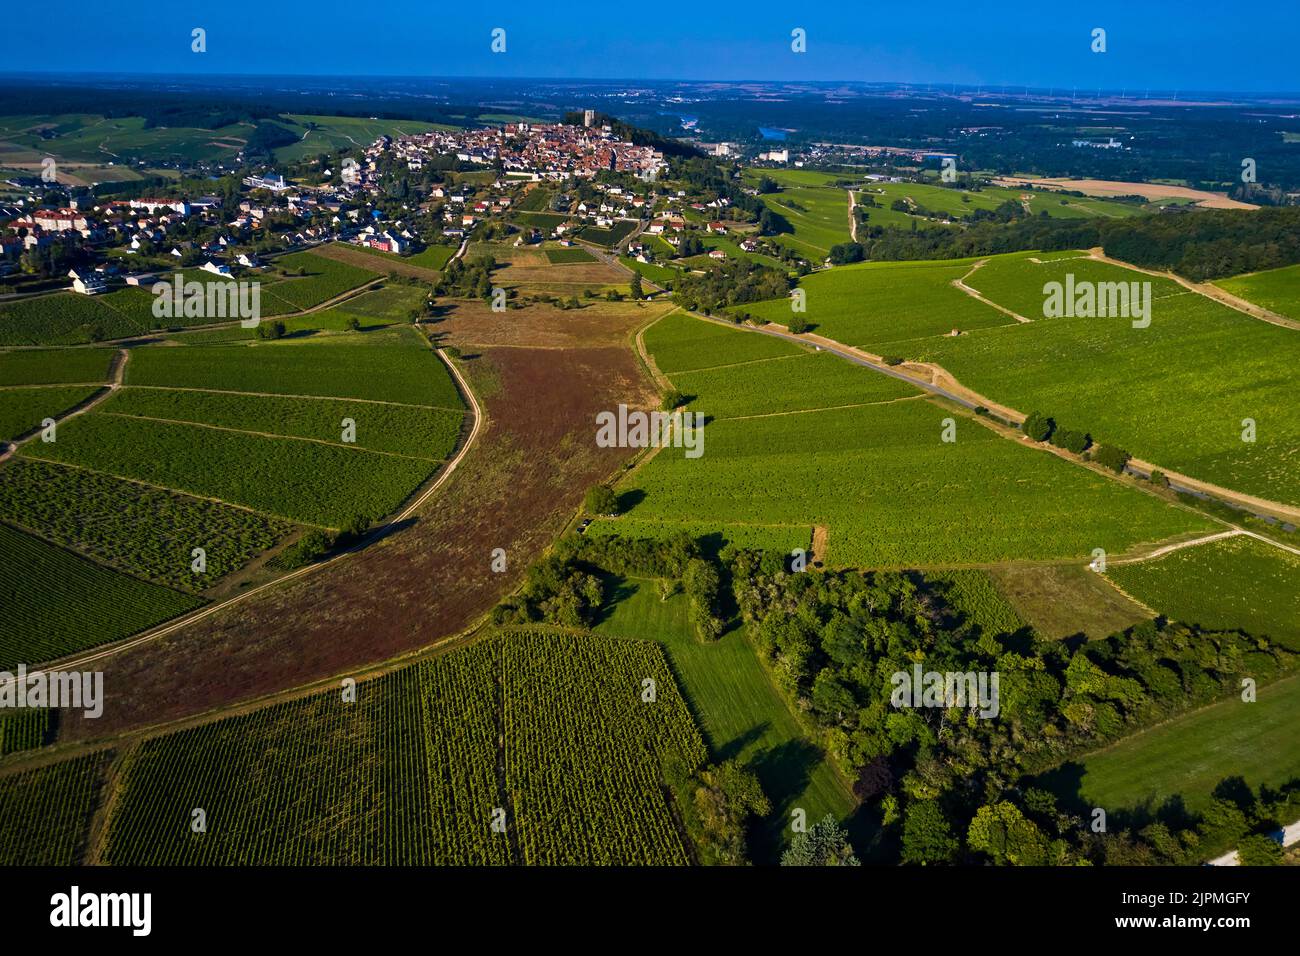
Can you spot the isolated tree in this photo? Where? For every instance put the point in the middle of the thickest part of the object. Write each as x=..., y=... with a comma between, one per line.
x=637, y=292
x=601, y=500
x=1037, y=426
x=1113, y=458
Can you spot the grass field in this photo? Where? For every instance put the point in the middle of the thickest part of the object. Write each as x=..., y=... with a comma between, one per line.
x=878, y=476
x=878, y=305
x=610, y=236
x=1175, y=393
x=742, y=714
x=1236, y=582
x=1277, y=290
x=57, y=603
x=1189, y=756
x=1061, y=601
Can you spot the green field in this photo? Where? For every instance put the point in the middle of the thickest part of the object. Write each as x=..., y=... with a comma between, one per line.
x=295, y=479
x=562, y=256
x=1188, y=757
x=1277, y=290
x=660, y=275
x=878, y=476
x=818, y=212
x=54, y=367
x=45, y=813
x=742, y=714
x=680, y=343
x=146, y=532
x=797, y=382
x=1236, y=582
x=68, y=318
x=1175, y=393
x=878, y=305
x=388, y=366
x=420, y=432
x=408, y=773
x=23, y=409
x=57, y=603
x=323, y=279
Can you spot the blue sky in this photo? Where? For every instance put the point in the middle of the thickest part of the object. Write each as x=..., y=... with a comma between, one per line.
x=1157, y=45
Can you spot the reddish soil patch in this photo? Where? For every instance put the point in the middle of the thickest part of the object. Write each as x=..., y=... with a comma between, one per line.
x=515, y=489
x=472, y=324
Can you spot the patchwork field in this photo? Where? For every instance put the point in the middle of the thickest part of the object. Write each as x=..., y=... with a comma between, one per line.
x=878, y=476
x=1175, y=393
x=1236, y=582
x=210, y=410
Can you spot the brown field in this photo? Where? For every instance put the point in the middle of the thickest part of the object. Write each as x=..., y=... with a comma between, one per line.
x=1064, y=600
x=472, y=324
x=518, y=485
x=530, y=267
x=1150, y=191
x=356, y=256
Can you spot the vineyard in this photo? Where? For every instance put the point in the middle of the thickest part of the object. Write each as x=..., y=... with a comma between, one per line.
x=45, y=813
x=1175, y=393
x=294, y=479
x=67, y=366
x=23, y=409
x=412, y=771
x=890, y=491
x=25, y=729
x=143, y=531
x=57, y=603
x=421, y=432
x=392, y=366
x=584, y=751
x=680, y=343
x=798, y=383
x=1277, y=290
x=877, y=304
x=324, y=280
x=1230, y=583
